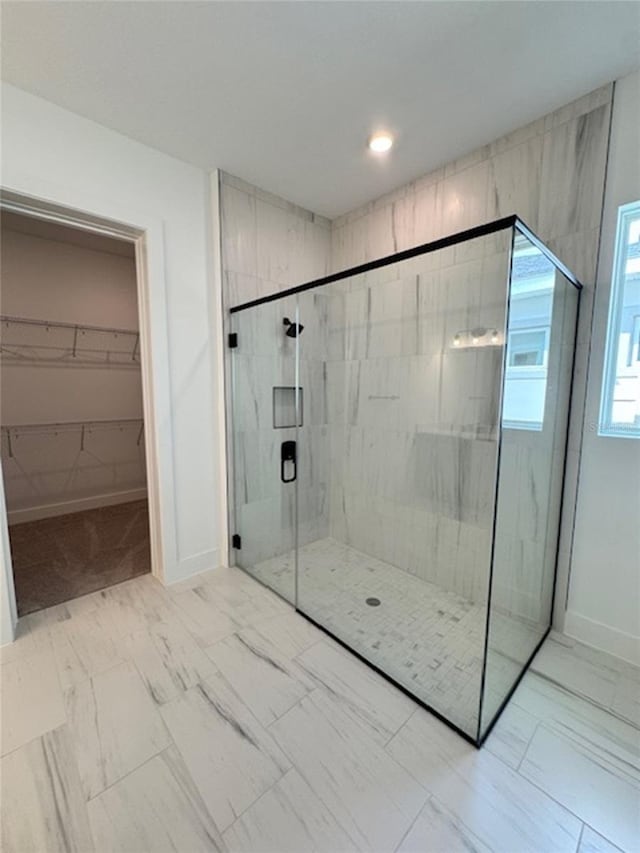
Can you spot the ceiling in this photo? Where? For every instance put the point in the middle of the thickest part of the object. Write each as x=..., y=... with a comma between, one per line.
x=285, y=94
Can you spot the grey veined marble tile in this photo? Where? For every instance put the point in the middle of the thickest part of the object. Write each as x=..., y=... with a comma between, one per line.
x=155, y=808
x=230, y=757
x=438, y=831
x=578, y=669
x=289, y=818
x=266, y=681
x=573, y=168
x=115, y=726
x=42, y=801
x=31, y=700
x=168, y=659
x=361, y=691
x=371, y=796
x=600, y=791
x=290, y=633
x=500, y=807
x=592, y=842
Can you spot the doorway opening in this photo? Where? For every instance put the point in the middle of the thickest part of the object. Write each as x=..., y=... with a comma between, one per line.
x=72, y=411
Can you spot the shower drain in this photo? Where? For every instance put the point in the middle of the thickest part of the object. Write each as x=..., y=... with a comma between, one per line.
x=373, y=602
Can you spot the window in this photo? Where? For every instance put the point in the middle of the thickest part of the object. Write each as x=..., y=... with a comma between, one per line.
x=620, y=406
x=530, y=312
x=528, y=348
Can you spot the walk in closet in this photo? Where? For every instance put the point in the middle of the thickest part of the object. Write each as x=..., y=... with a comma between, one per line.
x=73, y=454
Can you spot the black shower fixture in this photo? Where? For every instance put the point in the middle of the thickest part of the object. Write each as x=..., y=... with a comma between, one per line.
x=293, y=329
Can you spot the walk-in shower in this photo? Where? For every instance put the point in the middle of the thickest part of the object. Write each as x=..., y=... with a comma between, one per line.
x=397, y=470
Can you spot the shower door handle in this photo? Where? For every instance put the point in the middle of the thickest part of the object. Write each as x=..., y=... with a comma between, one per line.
x=288, y=454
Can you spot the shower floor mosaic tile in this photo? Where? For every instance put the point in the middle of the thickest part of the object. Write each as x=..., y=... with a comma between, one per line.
x=427, y=639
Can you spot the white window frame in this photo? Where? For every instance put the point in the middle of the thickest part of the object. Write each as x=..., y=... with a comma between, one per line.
x=606, y=427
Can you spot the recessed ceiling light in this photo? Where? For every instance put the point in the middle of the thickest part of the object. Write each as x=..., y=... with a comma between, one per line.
x=380, y=142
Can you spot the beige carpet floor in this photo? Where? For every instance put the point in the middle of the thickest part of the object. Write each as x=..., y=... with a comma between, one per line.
x=57, y=559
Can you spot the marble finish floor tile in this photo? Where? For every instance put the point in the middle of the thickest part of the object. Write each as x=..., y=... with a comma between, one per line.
x=371, y=796
x=592, y=842
x=31, y=701
x=437, y=831
x=289, y=818
x=499, y=806
x=42, y=803
x=511, y=735
x=605, y=734
x=198, y=612
x=31, y=637
x=598, y=791
x=168, y=659
x=290, y=633
x=114, y=725
x=114, y=696
x=586, y=672
x=230, y=757
x=155, y=808
x=249, y=606
x=83, y=647
x=265, y=680
x=377, y=703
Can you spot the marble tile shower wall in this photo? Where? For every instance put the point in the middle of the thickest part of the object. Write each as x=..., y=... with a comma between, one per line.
x=266, y=357
x=413, y=419
x=268, y=245
x=551, y=173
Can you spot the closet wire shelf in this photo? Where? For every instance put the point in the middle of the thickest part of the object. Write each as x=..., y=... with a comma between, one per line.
x=11, y=434
x=27, y=341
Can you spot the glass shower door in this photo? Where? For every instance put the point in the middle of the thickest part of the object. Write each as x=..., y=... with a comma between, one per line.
x=268, y=410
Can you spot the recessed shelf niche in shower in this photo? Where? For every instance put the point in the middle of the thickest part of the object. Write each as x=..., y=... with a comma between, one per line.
x=420, y=527
x=287, y=407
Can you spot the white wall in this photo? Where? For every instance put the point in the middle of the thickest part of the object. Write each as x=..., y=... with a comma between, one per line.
x=604, y=594
x=50, y=279
x=52, y=154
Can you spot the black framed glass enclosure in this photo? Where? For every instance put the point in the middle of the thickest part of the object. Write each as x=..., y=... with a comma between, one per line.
x=413, y=511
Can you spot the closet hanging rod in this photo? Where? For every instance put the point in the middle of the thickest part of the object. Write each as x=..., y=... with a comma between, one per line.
x=69, y=426
x=57, y=426
x=55, y=324
x=14, y=431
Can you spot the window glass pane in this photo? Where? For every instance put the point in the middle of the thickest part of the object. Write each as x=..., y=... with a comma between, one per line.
x=527, y=348
x=620, y=409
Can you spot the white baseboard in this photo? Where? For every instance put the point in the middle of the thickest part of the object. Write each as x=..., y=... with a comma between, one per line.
x=34, y=513
x=603, y=637
x=187, y=567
